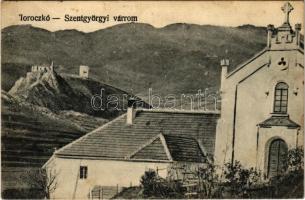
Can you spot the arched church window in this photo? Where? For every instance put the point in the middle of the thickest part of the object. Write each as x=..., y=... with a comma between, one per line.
x=281, y=98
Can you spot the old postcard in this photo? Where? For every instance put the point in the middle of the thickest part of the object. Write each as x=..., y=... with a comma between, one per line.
x=147, y=99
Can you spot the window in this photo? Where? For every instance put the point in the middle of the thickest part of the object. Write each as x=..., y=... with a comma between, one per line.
x=83, y=172
x=280, y=98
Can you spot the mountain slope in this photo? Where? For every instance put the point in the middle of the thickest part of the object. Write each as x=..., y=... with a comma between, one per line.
x=175, y=59
x=57, y=93
x=29, y=135
x=32, y=130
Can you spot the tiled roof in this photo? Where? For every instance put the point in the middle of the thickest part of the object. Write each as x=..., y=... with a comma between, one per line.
x=118, y=140
x=184, y=148
x=154, y=150
x=170, y=148
x=279, y=120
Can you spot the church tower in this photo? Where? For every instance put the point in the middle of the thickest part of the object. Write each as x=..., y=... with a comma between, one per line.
x=262, y=103
x=284, y=37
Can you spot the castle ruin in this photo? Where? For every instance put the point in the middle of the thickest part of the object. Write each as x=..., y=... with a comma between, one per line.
x=84, y=71
x=42, y=68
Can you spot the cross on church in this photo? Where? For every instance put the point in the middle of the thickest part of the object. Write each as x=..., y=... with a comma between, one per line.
x=287, y=8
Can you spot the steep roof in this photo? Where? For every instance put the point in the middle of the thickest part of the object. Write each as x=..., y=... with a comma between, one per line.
x=171, y=148
x=155, y=149
x=182, y=131
x=184, y=149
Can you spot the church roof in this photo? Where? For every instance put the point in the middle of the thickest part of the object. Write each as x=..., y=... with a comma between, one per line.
x=279, y=120
x=185, y=134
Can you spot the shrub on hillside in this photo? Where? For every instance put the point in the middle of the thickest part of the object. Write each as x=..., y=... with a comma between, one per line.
x=44, y=180
x=239, y=179
x=156, y=187
x=295, y=159
x=208, y=180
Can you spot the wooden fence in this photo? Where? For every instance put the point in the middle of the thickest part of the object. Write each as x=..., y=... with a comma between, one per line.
x=104, y=192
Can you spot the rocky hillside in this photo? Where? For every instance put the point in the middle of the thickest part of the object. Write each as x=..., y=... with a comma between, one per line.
x=57, y=93
x=178, y=58
x=45, y=89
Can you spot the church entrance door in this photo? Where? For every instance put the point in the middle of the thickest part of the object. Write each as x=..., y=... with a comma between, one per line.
x=277, y=157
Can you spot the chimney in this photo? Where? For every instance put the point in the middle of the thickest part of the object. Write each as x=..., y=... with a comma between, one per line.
x=131, y=110
x=224, y=71
x=270, y=29
x=298, y=28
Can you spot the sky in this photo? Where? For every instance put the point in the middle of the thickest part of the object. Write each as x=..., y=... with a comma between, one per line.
x=158, y=14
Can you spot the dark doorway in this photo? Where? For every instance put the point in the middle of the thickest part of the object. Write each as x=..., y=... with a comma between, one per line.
x=277, y=158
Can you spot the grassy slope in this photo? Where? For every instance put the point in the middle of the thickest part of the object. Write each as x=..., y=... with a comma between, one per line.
x=30, y=135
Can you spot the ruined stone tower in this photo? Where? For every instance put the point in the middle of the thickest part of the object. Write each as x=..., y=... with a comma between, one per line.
x=84, y=71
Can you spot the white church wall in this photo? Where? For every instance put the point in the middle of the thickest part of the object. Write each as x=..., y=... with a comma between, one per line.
x=254, y=104
x=224, y=134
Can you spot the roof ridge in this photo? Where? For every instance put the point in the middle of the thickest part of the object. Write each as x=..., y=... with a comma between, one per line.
x=240, y=66
x=179, y=111
x=90, y=133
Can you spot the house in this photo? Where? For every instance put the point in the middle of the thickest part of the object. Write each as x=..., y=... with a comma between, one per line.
x=118, y=153
x=262, y=112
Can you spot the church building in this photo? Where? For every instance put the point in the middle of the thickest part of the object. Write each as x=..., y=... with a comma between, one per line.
x=262, y=110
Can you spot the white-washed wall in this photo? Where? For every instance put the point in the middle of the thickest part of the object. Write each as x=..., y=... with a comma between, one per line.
x=254, y=105
x=100, y=172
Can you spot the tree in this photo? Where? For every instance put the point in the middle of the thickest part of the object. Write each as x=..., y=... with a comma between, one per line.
x=43, y=180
